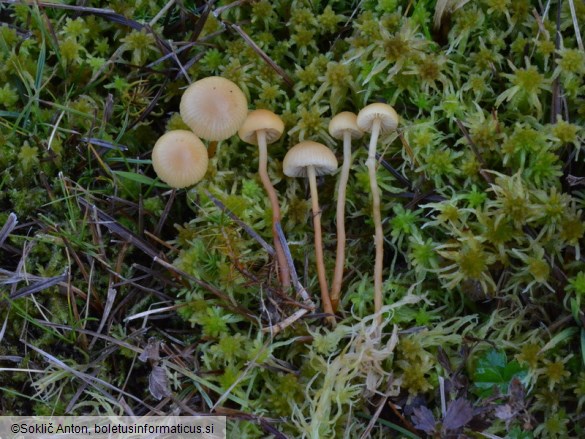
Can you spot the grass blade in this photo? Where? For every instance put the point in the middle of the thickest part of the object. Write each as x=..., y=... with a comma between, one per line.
x=139, y=178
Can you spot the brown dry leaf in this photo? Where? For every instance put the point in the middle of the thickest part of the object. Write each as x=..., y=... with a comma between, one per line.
x=151, y=351
x=158, y=383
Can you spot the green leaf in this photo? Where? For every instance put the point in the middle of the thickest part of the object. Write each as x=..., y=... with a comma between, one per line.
x=518, y=433
x=139, y=178
x=561, y=337
x=11, y=114
x=494, y=370
x=583, y=345
x=40, y=66
x=127, y=160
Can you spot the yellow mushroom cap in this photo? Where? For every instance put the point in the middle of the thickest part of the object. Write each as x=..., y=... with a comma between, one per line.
x=384, y=112
x=342, y=122
x=309, y=153
x=179, y=158
x=214, y=108
x=261, y=120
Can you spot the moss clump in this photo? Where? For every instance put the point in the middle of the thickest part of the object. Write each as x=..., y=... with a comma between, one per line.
x=482, y=207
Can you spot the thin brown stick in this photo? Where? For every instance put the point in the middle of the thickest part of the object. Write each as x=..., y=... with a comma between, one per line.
x=376, y=415
x=291, y=266
x=283, y=324
x=238, y=309
x=241, y=223
x=308, y=304
x=556, y=86
x=261, y=53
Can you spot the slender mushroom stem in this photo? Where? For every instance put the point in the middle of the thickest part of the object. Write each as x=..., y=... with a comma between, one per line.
x=319, y=243
x=212, y=148
x=379, y=237
x=263, y=171
x=340, y=255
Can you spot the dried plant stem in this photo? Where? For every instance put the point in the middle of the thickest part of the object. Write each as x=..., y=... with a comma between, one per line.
x=284, y=273
x=283, y=324
x=379, y=237
x=310, y=306
x=326, y=301
x=576, y=26
x=340, y=218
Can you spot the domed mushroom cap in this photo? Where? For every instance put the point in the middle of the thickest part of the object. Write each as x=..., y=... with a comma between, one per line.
x=179, y=158
x=384, y=112
x=342, y=122
x=261, y=120
x=214, y=108
x=309, y=153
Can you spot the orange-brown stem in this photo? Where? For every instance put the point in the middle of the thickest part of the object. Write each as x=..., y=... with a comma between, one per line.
x=326, y=301
x=212, y=148
x=379, y=237
x=340, y=217
x=283, y=270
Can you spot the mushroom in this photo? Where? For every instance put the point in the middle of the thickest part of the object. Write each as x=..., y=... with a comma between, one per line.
x=214, y=108
x=375, y=119
x=342, y=126
x=261, y=128
x=179, y=158
x=309, y=159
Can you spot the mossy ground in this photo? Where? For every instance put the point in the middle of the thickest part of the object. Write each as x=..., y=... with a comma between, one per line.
x=482, y=205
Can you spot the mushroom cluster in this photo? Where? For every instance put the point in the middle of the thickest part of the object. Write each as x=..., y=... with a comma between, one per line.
x=215, y=109
x=310, y=159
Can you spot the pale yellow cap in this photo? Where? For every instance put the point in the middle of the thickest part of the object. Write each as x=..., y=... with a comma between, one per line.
x=384, y=112
x=179, y=158
x=342, y=122
x=261, y=120
x=309, y=153
x=214, y=108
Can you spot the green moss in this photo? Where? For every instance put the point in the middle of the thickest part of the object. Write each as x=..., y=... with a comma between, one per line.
x=482, y=234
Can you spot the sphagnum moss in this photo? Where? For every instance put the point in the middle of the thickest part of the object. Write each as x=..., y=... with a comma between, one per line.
x=83, y=97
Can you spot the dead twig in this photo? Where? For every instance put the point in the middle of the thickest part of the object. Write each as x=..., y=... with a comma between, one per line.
x=116, y=228
x=202, y=19
x=96, y=383
x=165, y=212
x=219, y=294
x=241, y=223
x=36, y=287
x=287, y=79
x=278, y=327
x=576, y=26
x=8, y=227
x=556, y=85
